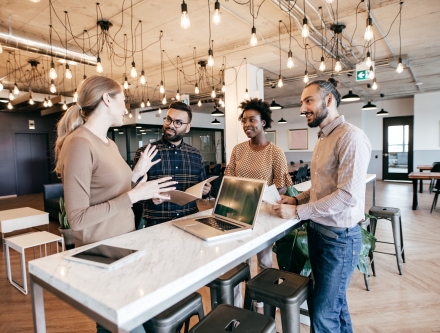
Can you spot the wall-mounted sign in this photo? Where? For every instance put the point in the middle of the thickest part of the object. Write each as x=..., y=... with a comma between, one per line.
x=31, y=124
x=184, y=98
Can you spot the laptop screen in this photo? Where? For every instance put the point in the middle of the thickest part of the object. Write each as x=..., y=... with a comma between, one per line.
x=239, y=199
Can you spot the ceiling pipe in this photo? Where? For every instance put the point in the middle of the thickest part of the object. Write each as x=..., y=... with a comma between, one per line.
x=311, y=37
x=26, y=41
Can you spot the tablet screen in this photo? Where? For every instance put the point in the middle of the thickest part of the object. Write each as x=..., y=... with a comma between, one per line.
x=104, y=254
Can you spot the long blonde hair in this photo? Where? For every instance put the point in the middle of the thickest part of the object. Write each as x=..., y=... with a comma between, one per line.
x=90, y=93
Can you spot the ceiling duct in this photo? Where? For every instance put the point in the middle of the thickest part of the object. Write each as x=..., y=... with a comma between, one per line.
x=30, y=42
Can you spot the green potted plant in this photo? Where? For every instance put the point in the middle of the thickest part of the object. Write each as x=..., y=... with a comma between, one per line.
x=64, y=228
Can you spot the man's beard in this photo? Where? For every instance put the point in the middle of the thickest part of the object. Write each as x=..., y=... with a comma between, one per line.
x=320, y=116
x=172, y=138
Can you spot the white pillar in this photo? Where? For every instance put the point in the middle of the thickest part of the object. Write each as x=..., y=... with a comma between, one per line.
x=236, y=84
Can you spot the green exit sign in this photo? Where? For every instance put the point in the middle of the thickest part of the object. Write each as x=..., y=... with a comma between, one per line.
x=363, y=75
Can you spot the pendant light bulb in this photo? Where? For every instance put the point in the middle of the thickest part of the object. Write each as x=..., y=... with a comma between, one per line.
x=280, y=81
x=178, y=95
x=75, y=96
x=371, y=74
x=196, y=88
x=213, y=92
x=338, y=65
x=16, y=91
x=184, y=18
x=53, y=73
x=142, y=105
x=130, y=115
x=164, y=100
x=199, y=103
x=11, y=95
x=159, y=111
x=49, y=102
x=254, y=40
x=305, y=29
x=148, y=102
x=399, y=68
x=31, y=101
x=1, y=86
x=10, y=105
x=125, y=83
x=306, y=77
x=216, y=18
x=368, y=35
x=45, y=102
x=65, y=106
x=68, y=73
x=53, y=89
x=133, y=72
x=368, y=61
x=290, y=63
x=210, y=58
x=374, y=86
x=99, y=68
x=223, y=87
x=246, y=94
x=161, y=88
x=322, y=65
x=142, y=79
x=139, y=116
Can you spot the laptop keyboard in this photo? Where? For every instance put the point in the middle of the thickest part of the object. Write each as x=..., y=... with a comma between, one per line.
x=217, y=224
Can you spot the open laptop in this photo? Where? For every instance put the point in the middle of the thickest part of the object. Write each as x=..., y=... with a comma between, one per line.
x=235, y=211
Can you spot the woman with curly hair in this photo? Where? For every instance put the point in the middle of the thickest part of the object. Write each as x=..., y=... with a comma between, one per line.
x=259, y=159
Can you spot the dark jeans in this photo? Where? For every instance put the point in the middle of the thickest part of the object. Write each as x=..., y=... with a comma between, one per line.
x=334, y=254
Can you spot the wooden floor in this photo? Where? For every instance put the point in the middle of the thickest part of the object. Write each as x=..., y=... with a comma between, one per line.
x=407, y=303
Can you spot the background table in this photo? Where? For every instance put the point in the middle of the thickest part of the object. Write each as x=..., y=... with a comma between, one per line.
x=295, y=167
x=422, y=168
x=415, y=176
x=19, y=219
x=175, y=265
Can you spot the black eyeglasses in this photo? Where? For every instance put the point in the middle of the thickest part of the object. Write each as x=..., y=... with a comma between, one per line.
x=177, y=123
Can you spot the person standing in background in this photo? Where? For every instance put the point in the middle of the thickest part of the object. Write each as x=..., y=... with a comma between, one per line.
x=334, y=205
x=258, y=158
x=97, y=181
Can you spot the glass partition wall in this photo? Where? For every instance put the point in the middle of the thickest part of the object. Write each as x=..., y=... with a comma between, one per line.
x=129, y=138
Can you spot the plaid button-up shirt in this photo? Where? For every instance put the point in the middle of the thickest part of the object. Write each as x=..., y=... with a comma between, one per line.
x=338, y=171
x=184, y=164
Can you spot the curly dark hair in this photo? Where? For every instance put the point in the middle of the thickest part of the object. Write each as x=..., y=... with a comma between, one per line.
x=262, y=107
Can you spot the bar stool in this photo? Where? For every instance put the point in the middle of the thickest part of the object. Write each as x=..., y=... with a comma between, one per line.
x=393, y=215
x=229, y=318
x=222, y=288
x=281, y=289
x=365, y=224
x=173, y=318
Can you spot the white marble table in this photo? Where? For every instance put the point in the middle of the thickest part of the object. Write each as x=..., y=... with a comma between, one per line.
x=175, y=265
x=304, y=186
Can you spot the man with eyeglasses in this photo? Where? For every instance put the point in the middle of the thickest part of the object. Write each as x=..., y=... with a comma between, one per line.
x=179, y=160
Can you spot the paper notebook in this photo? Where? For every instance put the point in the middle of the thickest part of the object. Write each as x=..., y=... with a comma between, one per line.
x=191, y=193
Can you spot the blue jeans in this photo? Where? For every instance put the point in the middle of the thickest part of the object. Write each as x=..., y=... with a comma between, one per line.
x=334, y=253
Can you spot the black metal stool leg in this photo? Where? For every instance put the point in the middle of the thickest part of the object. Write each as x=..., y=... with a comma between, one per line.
x=396, y=234
x=367, y=282
x=214, y=301
x=401, y=239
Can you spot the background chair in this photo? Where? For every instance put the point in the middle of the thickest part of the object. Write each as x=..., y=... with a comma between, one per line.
x=437, y=191
x=51, y=195
x=216, y=169
x=435, y=168
x=207, y=170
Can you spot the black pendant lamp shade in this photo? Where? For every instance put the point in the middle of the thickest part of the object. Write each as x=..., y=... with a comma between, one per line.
x=382, y=112
x=282, y=121
x=275, y=106
x=369, y=106
x=350, y=97
x=217, y=113
x=215, y=122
